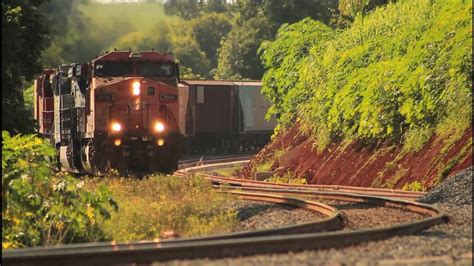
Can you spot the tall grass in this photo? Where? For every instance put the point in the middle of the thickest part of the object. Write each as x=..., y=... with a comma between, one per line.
x=156, y=204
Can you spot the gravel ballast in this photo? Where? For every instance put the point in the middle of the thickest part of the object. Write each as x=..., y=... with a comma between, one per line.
x=445, y=244
x=257, y=215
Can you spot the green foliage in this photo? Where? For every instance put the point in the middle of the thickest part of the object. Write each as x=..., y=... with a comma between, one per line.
x=28, y=95
x=208, y=30
x=416, y=138
x=23, y=38
x=353, y=8
x=263, y=166
x=229, y=171
x=413, y=186
x=156, y=204
x=40, y=208
x=238, y=52
x=284, y=58
x=288, y=11
x=258, y=21
x=121, y=26
x=288, y=178
x=404, y=67
x=193, y=42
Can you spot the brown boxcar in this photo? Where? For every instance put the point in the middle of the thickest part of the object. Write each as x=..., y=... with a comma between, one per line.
x=210, y=114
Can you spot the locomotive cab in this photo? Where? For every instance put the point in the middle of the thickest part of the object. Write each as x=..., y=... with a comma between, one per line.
x=135, y=111
x=120, y=111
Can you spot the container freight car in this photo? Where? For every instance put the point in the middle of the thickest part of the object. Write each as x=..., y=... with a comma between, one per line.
x=118, y=111
x=224, y=116
x=254, y=129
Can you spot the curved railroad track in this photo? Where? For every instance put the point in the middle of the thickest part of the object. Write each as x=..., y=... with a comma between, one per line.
x=310, y=235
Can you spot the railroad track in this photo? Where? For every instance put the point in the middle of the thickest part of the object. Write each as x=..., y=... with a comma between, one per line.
x=310, y=235
x=201, y=166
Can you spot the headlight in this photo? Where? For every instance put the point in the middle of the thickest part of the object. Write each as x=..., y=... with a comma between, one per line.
x=116, y=127
x=159, y=127
x=117, y=142
x=136, y=88
x=160, y=142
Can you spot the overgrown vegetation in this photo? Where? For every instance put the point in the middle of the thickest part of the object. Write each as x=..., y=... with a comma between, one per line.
x=229, y=171
x=400, y=73
x=287, y=178
x=413, y=186
x=156, y=204
x=266, y=165
x=43, y=208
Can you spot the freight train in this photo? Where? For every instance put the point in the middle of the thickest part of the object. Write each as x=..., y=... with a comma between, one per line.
x=130, y=111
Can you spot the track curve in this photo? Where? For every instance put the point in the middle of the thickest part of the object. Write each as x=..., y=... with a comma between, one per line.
x=290, y=238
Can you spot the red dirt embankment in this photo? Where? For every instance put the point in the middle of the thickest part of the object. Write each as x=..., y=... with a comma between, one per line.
x=354, y=164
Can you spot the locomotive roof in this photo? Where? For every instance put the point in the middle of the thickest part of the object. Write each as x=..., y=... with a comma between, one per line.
x=127, y=55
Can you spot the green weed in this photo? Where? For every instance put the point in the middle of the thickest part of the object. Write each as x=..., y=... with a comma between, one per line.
x=148, y=207
x=288, y=178
x=413, y=186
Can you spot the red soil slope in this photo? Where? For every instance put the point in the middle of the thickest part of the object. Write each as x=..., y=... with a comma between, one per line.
x=354, y=164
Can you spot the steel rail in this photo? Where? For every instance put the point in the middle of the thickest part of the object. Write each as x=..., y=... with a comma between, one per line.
x=212, y=247
x=147, y=252
x=205, y=161
x=332, y=221
x=377, y=191
x=217, y=164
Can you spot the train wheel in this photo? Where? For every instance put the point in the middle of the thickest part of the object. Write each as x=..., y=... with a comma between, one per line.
x=168, y=161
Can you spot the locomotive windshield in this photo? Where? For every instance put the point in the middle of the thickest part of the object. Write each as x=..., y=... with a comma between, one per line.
x=148, y=69
x=144, y=69
x=113, y=69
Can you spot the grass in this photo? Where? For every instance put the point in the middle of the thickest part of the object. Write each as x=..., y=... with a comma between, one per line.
x=264, y=166
x=390, y=183
x=156, y=204
x=287, y=178
x=413, y=186
x=229, y=171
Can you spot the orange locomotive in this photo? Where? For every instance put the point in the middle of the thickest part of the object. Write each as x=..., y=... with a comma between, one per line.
x=119, y=111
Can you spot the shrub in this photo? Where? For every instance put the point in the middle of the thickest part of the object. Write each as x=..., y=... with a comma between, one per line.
x=42, y=208
x=402, y=70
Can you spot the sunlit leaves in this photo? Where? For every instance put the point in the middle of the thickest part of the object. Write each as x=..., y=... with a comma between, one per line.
x=40, y=207
x=404, y=67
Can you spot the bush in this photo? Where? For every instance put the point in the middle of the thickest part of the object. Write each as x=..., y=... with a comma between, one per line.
x=404, y=67
x=42, y=208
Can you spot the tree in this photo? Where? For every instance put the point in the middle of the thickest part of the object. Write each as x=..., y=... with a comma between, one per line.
x=259, y=20
x=186, y=9
x=187, y=50
x=208, y=30
x=238, y=53
x=24, y=36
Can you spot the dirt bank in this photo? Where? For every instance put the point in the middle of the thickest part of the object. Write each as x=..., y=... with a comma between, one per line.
x=381, y=165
